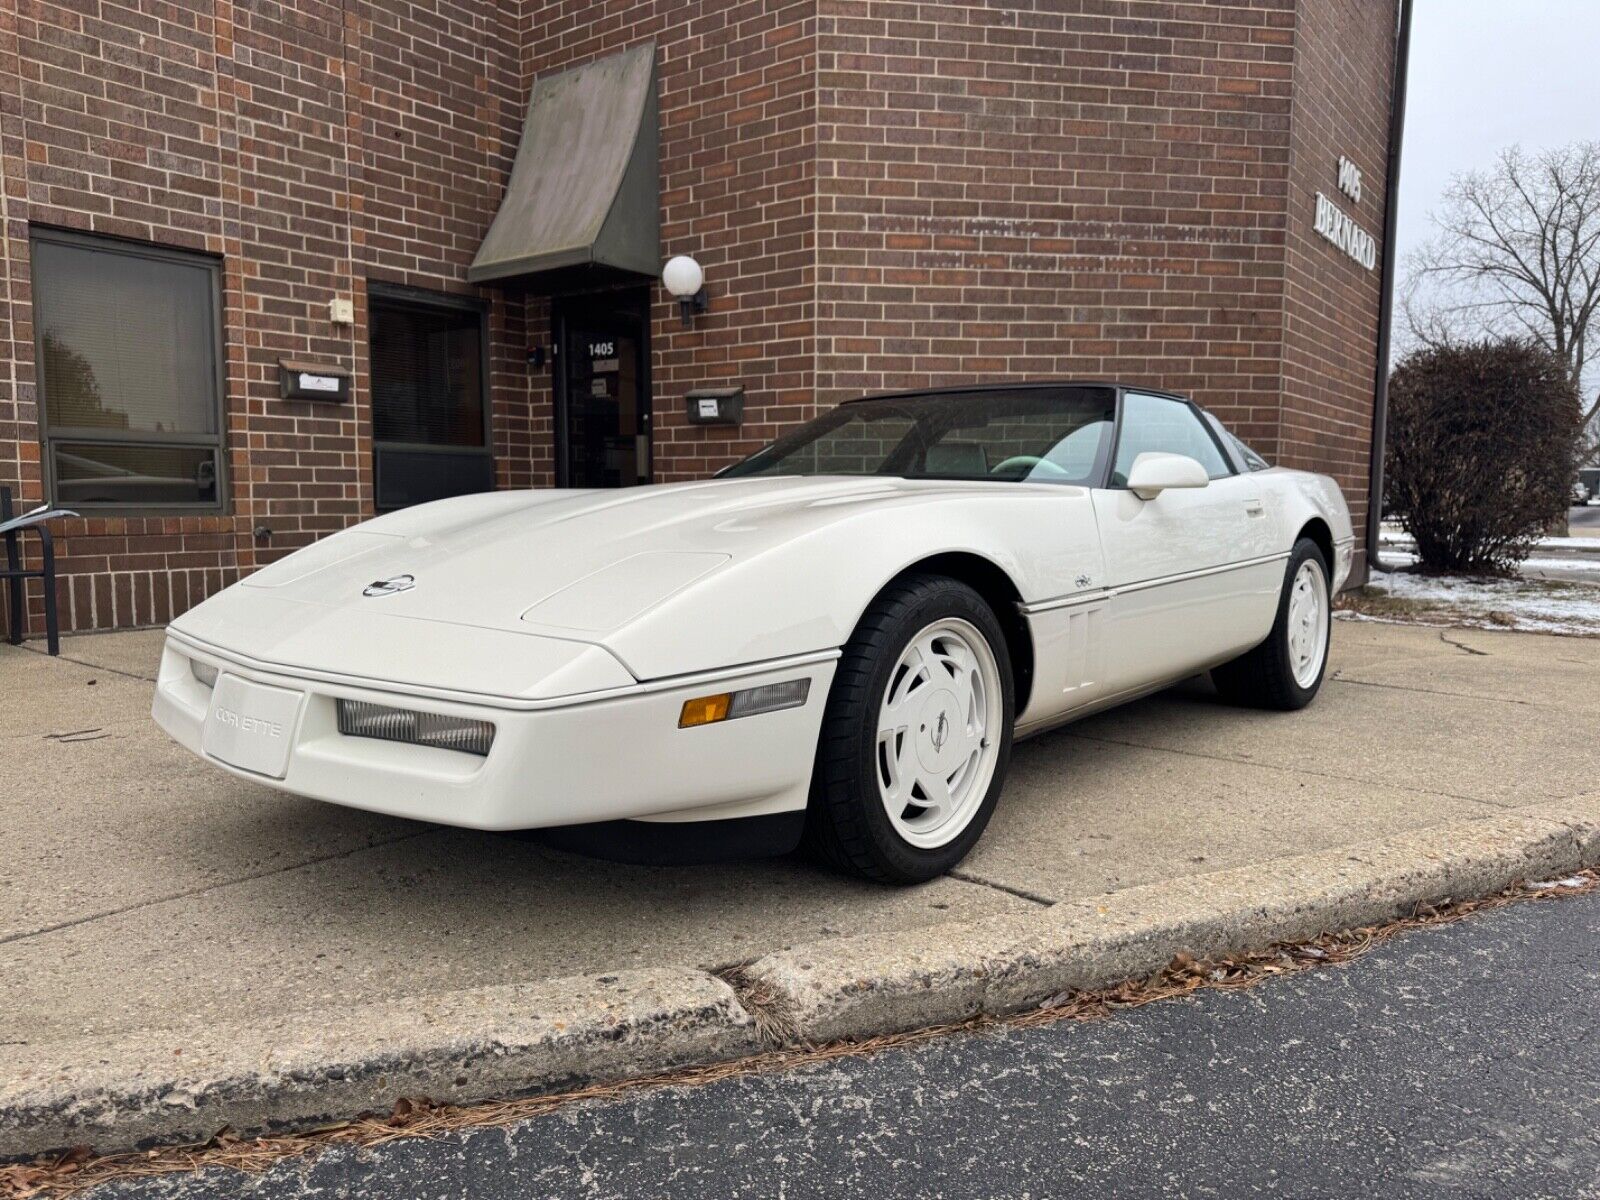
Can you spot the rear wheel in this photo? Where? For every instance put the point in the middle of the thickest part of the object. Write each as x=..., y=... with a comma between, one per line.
x=916, y=737
x=1286, y=670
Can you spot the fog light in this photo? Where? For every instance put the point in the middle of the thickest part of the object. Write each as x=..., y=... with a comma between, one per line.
x=357, y=718
x=203, y=672
x=728, y=706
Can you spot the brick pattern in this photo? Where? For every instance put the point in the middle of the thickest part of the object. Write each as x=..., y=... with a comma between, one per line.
x=1343, y=71
x=287, y=179
x=440, y=93
x=1097, y=190
x=1086, y=190
x=313, y=145
x=109, y=125
x=883, y=194
x=736, y=87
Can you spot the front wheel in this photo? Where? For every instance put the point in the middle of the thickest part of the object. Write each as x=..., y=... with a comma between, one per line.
x=1286, y=670
x=916, y=737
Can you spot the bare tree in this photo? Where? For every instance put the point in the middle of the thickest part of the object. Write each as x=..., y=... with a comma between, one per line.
x=1518, y=252
x=1432, y=315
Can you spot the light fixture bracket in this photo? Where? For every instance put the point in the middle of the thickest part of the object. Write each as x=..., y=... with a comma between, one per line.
x=688, y=306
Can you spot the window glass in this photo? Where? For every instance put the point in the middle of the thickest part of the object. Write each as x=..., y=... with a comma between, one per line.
x=89, y=473
x=127, y=343
x=1039, y=435
x=839, y=447
x=1154, y=423
x=1251, y=460
x=427, y=374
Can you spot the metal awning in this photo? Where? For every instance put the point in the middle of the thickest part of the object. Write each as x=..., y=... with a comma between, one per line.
x=584, y=194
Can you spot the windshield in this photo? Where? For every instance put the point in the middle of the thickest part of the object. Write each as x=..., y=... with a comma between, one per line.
x=1042, y=435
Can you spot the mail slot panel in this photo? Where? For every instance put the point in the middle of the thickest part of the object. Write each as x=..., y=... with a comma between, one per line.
x=309, y=381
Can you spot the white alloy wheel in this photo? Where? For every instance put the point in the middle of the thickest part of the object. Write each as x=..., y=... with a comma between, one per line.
x=1308, y=622
x=939, y=733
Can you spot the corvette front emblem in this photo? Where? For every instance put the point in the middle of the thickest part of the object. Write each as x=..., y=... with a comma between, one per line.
x=388, y=587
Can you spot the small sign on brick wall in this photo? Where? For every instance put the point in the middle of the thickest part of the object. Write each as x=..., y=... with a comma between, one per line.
x=716, y=405
x=313, y=381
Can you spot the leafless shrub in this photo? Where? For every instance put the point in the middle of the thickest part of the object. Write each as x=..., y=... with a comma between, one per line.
x=1481, y=452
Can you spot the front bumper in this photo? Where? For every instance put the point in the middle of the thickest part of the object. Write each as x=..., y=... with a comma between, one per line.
x=619, y=755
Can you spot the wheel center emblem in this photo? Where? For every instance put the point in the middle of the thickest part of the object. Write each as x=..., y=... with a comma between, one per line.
x=388, y=587
x=941, y=732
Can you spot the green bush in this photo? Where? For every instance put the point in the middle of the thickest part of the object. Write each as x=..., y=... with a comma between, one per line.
x=1482, y=451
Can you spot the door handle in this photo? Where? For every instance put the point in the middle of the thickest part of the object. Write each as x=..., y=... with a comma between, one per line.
x=1254, y=508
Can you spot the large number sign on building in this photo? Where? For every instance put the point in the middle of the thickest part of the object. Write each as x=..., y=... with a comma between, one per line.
x=1340, y=228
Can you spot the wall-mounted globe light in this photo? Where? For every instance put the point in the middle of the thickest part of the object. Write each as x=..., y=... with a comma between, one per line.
x=684, y=278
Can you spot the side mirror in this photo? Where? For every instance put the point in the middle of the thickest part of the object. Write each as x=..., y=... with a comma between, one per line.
x=1154, y=472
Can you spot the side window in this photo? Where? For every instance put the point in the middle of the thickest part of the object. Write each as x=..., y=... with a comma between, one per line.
x=1154, y=423
x=1242, y=453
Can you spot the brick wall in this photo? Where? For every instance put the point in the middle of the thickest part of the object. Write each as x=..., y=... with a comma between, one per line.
x=312, y=145
x=1343, y=68
x=737, y=88
x=111, y=126
x=883, y=195
x=1119, y=191
x=1089, y=190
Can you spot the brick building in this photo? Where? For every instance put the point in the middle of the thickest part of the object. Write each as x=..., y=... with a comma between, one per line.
x=234, y=303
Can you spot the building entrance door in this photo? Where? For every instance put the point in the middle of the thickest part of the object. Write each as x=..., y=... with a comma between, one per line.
x=602, y=392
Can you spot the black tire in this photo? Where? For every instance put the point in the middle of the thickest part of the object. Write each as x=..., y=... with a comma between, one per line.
x=847, y=825
x=1264, y=677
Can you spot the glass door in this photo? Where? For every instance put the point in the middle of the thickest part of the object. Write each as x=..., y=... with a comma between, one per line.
x=602, y=390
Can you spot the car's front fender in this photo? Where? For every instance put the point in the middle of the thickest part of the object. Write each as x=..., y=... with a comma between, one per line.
x=808, y=591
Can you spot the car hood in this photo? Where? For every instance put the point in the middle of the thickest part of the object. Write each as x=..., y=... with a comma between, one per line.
x=563, y=592
x=570, y=563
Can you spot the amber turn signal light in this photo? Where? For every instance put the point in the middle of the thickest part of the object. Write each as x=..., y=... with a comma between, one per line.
x=703, y=710
x=727, y=706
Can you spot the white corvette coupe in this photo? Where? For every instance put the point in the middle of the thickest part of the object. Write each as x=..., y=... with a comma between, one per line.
x=836, y=639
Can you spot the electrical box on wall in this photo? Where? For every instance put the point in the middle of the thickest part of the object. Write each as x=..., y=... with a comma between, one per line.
x=313, y=381
x=716, y=406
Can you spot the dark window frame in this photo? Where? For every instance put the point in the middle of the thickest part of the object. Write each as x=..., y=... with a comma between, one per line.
x=51, y=435
x=396, y=296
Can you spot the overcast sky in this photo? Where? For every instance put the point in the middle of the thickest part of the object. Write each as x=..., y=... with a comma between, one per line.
x=1485, y=74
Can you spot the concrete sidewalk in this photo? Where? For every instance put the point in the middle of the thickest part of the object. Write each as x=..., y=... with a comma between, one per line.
x=145, y=891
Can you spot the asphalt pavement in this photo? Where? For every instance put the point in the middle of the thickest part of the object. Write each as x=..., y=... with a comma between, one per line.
x=1584, y=519
x=1460, y=1061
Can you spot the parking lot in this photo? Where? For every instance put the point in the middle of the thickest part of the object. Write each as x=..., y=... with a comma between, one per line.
x=143, y=889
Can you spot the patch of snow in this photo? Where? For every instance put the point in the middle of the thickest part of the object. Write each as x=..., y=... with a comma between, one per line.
x=1576, y=566
x=1543, y=606
x=1581, y=569
x=1572, y=881
x=1393, y=535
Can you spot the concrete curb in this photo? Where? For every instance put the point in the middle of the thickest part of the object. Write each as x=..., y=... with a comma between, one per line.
x=862, y=986
x=299, y=1069
x=302, y=1069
